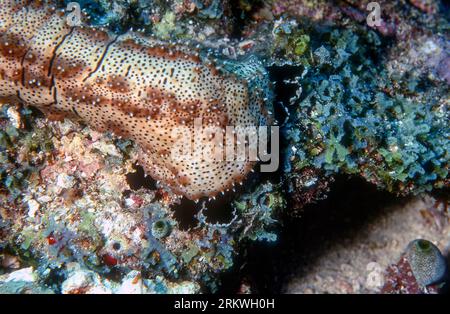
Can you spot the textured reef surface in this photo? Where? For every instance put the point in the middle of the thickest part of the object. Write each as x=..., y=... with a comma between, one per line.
x=85, y=209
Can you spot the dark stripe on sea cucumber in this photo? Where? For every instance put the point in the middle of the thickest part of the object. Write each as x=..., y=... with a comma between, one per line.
x=101, y=59
x=55, y=51
x=76, y=112
x=128, y=70
x=21, y=64
x=26, y=52
x=20, y=98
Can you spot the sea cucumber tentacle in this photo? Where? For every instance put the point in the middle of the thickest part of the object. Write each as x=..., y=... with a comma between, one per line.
x=132, y=86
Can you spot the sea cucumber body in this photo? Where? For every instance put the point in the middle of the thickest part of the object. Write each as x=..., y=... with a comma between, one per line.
x=127, y=84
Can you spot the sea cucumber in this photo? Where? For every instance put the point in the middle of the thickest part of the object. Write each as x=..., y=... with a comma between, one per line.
x=130, y=85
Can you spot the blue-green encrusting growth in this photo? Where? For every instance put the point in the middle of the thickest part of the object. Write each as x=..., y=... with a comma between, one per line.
x=426, y=261
x=351, y=117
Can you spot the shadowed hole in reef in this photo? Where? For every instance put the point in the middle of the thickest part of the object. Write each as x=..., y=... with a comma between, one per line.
x=241, y=14
x=283, y=92
x=185, y=213
x=138, y=179
x=218, y=211
x=351, y=205
x=280, y=76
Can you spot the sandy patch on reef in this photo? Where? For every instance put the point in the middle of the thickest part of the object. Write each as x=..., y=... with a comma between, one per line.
x=356, y=262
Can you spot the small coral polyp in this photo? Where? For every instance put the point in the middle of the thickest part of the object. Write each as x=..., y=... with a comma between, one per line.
x=130, y=85
x=160, y=228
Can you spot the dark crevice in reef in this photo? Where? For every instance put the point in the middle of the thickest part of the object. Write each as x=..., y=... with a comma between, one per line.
x=241, y=12
x=283, y=91
x=138, y=179
x=218, y=211
x=185, y=213
x=350, y=206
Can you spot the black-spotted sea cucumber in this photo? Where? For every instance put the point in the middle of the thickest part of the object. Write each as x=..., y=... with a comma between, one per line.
x=133, y=86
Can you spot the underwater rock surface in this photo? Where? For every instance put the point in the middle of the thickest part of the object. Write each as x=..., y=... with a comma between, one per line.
x=79, y=216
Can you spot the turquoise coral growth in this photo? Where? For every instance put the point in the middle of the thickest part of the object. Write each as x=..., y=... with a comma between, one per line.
x=352, y=120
